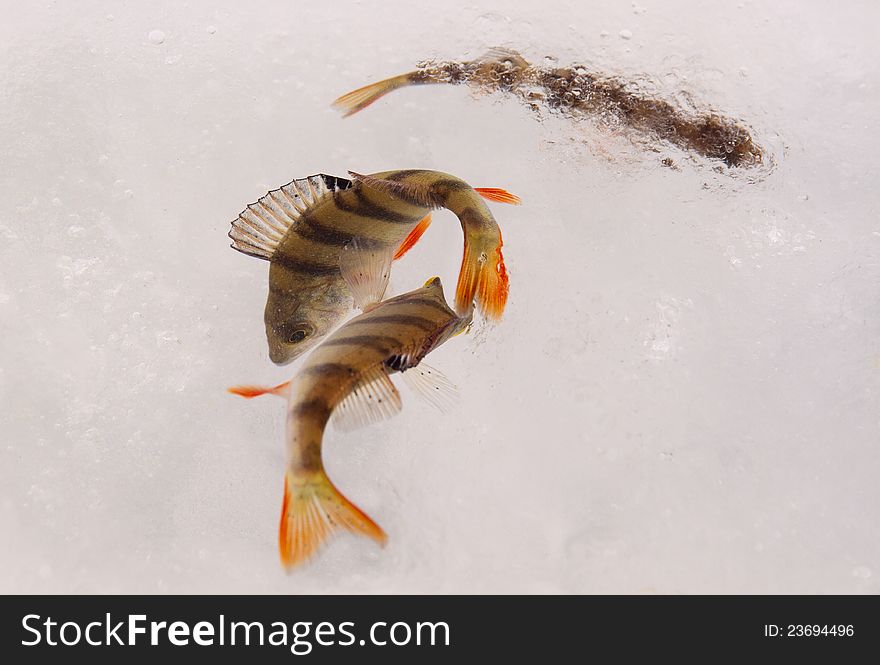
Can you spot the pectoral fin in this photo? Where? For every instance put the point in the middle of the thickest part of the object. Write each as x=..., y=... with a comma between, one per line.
x=432, y=386
x=413, y=237
x=373, y=399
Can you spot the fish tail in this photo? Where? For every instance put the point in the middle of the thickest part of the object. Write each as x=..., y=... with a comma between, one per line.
x=357, y=100
x=313, y=510
x=483, y=276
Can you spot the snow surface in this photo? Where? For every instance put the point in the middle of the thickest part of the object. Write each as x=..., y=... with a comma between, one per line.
x=682, y=396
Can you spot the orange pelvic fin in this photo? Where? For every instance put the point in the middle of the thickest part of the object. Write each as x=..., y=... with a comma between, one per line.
x=413, y=237
x=357, y=100
x=313, y=510
x=483, y=277
x=498, y=195
x=249, y=392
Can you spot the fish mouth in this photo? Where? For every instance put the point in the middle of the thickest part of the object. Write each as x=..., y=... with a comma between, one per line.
x=282, y=356
x=282, y=353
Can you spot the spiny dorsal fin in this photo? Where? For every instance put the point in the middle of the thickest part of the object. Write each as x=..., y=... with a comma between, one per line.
x=373, y=399
x=262, y=225
x=432, y=386
x=366, y=270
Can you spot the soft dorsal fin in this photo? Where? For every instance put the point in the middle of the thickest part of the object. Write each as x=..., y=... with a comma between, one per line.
x=410, y=192
x=261, y=226
x=432, y=386
x=373, y=399
x=366, y=269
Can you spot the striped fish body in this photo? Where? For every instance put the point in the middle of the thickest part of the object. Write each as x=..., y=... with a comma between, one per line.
x=308, y=295
x=395, y=335
x=350, y=372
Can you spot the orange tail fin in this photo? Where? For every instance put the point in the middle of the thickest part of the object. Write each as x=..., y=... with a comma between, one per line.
x=313, y=510
x=498, y=195
x=357, y=100
x=483, y=277
x=249, y=392
x=413, y=237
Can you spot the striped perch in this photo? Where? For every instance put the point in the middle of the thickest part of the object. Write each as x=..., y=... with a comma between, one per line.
x=348, y=377
x=303, y=227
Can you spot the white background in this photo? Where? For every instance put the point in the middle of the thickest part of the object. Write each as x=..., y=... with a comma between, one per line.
x=682, y=396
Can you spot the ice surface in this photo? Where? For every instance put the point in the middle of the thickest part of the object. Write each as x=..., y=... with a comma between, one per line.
x=682, y=396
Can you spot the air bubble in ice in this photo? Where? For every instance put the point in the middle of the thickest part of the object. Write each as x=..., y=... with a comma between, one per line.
x=625, y=34
x=156, y=36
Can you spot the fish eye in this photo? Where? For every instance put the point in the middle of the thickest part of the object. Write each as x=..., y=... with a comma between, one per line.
x=297, y=336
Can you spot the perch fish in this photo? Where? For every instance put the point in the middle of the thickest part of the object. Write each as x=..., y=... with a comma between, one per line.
x=303, y=227
x=348, y=377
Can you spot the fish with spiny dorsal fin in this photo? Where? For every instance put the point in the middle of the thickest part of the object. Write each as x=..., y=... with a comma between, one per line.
x=304, y=228
x=348, y=379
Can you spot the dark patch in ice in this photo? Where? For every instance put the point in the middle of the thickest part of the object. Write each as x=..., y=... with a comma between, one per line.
x=612, y=101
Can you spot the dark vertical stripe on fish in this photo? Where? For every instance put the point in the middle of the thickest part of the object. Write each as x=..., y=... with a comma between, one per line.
x=451, y=184
x=303, y=267
x=307, y=457
x=430, y=302
x=318, y=409
x=421, y=322
x=338, y=370
x=366, y=208
x=470, y=215
x=382, y=343
x=310, y=228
